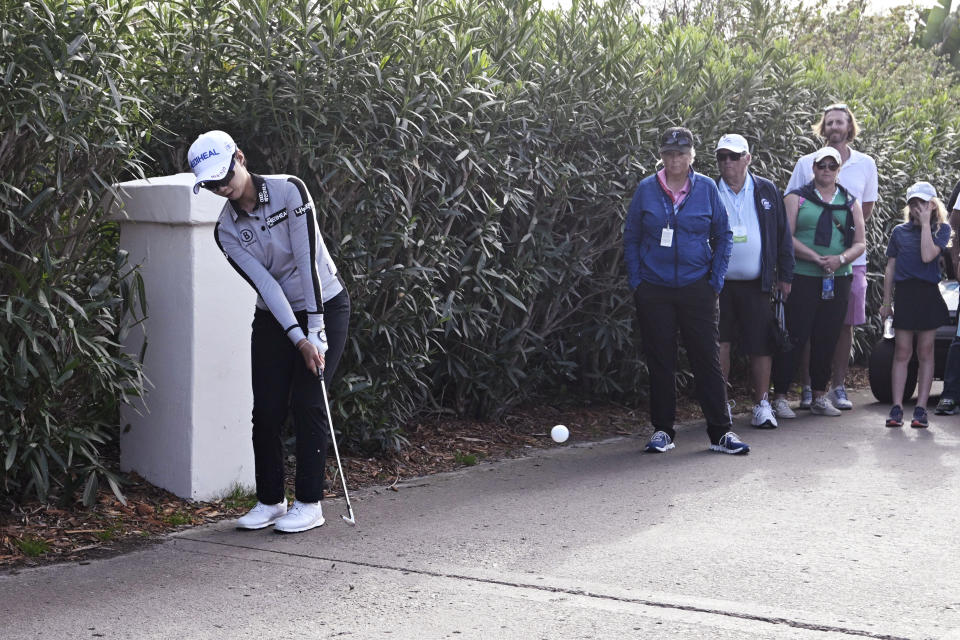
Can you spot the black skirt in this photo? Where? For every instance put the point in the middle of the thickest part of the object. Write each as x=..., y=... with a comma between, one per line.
x=918, y=306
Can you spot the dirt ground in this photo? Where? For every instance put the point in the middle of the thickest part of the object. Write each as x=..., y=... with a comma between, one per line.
x=37, y=534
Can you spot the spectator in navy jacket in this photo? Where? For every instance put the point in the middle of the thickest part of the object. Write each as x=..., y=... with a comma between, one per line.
x=762, y=260
x=676, y=246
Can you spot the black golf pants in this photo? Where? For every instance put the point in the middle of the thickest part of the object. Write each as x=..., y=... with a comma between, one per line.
x=281, y=384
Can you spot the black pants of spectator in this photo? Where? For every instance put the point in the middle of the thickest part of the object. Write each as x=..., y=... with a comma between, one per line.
x=809, y=317
x=692, y=310
x=281, y=384
x=951, y=372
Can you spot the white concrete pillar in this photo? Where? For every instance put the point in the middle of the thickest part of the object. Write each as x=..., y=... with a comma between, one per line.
x=191, y=435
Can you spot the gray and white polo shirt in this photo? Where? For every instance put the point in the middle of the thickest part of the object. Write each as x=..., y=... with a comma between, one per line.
x=277, y=248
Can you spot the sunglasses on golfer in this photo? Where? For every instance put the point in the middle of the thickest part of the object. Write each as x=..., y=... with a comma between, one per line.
x=828, y=166
x=213, y=185
x=728, y=155
x=840, y=106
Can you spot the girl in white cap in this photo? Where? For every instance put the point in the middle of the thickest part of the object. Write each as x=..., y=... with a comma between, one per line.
x=269, y=233
x=912, y=296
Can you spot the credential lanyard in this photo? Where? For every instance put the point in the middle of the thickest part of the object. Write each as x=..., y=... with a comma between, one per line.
x=666, y=234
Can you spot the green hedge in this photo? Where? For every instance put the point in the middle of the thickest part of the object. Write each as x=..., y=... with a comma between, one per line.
x=66, y=293
x=473, y=160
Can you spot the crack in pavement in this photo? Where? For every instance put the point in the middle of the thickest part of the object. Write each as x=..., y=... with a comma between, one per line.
x=797, y=624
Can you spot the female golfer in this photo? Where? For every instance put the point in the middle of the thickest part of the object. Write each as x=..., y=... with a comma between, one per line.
x=911, y=280
x=268, y=232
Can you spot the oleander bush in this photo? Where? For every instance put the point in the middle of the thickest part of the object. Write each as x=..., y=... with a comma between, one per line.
x=67, y=294
x=471, y=160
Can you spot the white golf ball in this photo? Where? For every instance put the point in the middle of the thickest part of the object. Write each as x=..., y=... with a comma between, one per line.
x=559, y=433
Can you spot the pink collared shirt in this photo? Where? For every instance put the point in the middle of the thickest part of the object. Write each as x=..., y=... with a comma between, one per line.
x=676, y=196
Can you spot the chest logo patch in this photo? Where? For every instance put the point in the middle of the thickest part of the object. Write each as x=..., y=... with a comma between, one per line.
x=302, y=209
x=277, y=218
x=766, y=204
x=247, y=237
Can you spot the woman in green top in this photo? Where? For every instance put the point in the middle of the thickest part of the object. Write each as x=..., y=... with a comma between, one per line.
x=828, y=233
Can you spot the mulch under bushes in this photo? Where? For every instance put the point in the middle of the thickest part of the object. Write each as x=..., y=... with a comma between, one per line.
x=35, y=534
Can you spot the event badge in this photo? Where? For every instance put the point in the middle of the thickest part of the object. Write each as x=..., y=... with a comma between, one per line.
x=666, y=238
x=739, y=232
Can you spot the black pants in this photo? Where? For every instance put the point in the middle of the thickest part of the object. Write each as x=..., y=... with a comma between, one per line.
x=693, y=310
x=951, y=372
x=811, y=318
x=282, y=383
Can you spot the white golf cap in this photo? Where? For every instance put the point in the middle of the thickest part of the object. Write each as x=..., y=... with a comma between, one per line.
x=922, y=190
x=733, y=142
x=210, y=156
x=827, y=152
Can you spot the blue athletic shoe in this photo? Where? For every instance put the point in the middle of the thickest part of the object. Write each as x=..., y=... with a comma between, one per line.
x=920, y=420
x=730, y=443
x=895, y=419
x=659, y=442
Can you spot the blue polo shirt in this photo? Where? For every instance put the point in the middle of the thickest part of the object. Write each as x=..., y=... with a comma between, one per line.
x=905, y=247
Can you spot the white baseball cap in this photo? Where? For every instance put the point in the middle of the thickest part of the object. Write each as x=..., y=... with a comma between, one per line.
x=827, y=151
x=922, y=190
x=733, y=142
x=210, y=157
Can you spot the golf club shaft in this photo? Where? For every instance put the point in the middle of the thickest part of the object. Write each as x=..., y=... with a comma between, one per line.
x=336, y=451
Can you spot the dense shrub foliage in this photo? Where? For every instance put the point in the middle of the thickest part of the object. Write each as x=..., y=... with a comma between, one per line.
x=472, y=160
x=66, y=292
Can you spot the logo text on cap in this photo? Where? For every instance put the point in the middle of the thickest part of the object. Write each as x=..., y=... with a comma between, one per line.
x=203, y=156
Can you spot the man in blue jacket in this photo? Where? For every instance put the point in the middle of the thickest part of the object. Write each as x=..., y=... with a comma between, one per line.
x=761, y=261
x=676, y=245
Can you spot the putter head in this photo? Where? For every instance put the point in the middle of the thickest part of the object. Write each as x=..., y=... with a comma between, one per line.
x=350, y=519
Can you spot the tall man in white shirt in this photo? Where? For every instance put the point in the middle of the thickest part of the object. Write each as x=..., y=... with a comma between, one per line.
x=858, y=174
x=761, y=261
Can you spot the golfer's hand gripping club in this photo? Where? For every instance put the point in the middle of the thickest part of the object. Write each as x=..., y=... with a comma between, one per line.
x=312, y=357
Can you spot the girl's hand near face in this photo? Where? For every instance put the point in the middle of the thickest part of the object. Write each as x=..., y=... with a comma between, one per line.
x=923, y=211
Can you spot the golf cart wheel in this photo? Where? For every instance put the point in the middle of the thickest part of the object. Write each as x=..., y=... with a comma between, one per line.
x=880, y=369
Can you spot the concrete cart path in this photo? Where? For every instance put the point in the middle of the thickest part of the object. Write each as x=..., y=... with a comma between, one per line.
x=829, y=528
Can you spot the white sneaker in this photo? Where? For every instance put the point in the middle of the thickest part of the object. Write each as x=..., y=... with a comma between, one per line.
x=838, y=398
x=262, y=515
x=763, y=417
x=301, y=517
x=823, y=407
x=781, y=409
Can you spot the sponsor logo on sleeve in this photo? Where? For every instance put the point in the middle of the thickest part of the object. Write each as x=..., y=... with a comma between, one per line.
x=302, y=209
x=247, y=237
x=277, y=218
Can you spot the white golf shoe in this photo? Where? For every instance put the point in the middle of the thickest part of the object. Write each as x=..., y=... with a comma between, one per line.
x=262, y=515
x=301, y=517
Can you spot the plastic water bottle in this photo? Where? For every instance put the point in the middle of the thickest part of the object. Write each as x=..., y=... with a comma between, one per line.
x=888, y=327
x=826, y=291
